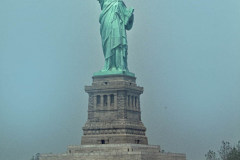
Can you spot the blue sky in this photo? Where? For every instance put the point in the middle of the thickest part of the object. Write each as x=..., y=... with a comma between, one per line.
x=185, y=53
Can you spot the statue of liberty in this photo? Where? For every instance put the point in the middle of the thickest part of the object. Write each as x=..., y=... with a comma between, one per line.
x=115, y=19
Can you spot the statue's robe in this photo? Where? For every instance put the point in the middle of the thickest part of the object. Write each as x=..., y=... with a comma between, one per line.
x=115, y=19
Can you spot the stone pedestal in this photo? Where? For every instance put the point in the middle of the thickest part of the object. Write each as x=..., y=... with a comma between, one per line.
x=114, y=152
x=114, y=115
x=114, y=130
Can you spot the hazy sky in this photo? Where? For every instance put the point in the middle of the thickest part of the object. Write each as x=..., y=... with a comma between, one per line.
x=185, y=53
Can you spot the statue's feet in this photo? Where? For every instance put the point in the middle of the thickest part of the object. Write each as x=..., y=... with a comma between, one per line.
x=114, y=69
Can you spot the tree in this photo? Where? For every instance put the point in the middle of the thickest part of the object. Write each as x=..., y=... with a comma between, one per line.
x=211, y=155
x=226, y=152
x=238, y=146
x=36, y=157
x=234, y=154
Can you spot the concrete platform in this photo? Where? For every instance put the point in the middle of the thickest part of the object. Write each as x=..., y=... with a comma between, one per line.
x=114, y=152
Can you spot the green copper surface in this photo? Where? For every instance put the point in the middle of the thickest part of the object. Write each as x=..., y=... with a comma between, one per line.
x=115, y=19
x=116, y=72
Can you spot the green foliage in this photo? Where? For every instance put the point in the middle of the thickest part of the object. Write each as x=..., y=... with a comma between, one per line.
x=238, y=146
x=226, y=152
x=234, y=154
x=211, y=155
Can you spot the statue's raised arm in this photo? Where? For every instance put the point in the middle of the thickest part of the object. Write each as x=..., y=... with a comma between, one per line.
x=115, y=19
